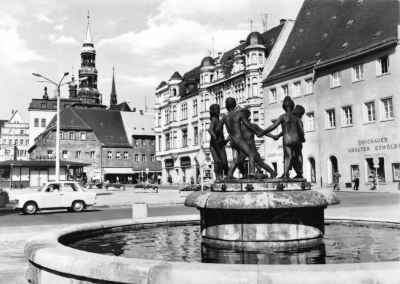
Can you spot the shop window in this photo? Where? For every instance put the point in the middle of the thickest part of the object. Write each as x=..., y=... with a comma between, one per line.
x=396, y=172
x=371, y=170
x=355, y=171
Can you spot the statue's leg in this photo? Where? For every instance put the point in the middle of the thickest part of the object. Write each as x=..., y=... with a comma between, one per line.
x=224, y=161
x=216, y=163
x=287, y=152
x=235, y=162
x=299, y=163
x=261, y=163
x=249, y=152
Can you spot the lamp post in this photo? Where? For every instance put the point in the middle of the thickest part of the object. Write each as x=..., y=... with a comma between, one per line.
x=58, y=117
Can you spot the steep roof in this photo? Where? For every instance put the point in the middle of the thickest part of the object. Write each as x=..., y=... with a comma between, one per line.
x=162, y=84
x=121, y=107
x=176, y=75
x=69, y=121
x=138, y=124
x=322, y=29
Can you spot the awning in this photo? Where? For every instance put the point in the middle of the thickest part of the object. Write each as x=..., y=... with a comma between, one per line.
x=123, y=171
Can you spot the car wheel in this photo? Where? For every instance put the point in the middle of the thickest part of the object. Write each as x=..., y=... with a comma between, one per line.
x=30, y=208
x=78, y=206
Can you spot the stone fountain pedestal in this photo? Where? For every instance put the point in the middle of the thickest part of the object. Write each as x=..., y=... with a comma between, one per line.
x=280, y=214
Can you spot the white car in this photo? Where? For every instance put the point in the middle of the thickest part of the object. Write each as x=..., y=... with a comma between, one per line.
x=56, y=195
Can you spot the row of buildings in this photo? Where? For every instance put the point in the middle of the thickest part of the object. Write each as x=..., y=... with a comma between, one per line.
x=339, y=59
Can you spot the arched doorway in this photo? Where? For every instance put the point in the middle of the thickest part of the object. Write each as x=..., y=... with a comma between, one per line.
x=311, y=170
x=332, y=168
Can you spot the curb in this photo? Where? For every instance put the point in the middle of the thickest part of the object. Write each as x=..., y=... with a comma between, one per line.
x=125, y=205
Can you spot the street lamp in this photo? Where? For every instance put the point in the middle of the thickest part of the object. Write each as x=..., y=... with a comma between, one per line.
x=58, y=117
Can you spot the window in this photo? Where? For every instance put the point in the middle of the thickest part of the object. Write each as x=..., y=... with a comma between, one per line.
x=49, y=154
x=260, y=58
x=43, y=122
x=153, y=158
x=255, y=87
x=16, y=141
x=372, y=171
x=143, y=158
x=194, y=107
x=309, y=86
x=184, y=111
x=273, y=94
x=136, y=142
x=27, y=141
x=43, y=105
x=347, y=118
x=22, y=132
x=174, y=115
x=167, y=142
x=159, y=119
x=383, y=65
x=358, y=72
x=109, y=155
x=78, y=154
x=159, y=143
x=330, y=119
x=36, y=122
x=396, y=172
x=253, y=58
x=7, y=152
x=92, y=154
x=54, y=106
x=65, y=154
x=335, y=79
x=184, y=138
x=61, y=135
x=370, y=112
x=136, y=157
x=10, y=141
x=310, y=121
x=83, y=135
x=387, y=109
x=255, y=117
x=118, y=155
x=72, y=135
x=69, y=187
x=285, y=91
x=125, y=155
x=297, y=89
x=175, y=140
x=196, y=135
x=152, y=142
x=143, y=142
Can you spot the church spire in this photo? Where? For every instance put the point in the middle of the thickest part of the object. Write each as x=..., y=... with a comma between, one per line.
x=88, y=38
x=113, y=99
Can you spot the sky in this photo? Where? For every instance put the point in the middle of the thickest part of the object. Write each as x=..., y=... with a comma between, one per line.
x=146, y=41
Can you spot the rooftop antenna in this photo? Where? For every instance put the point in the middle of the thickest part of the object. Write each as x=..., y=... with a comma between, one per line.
x=213, y=45
x=264, y=19
x=251, y=25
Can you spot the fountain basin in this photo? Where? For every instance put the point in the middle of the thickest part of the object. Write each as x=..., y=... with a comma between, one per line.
x=52, y=262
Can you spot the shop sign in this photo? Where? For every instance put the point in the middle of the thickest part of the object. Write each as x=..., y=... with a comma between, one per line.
x=169, y=163
x=377, y=144
x=185, y=161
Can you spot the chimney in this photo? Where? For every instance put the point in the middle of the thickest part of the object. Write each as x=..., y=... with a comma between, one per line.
x=242, y=41
x=134, y=109
x=141, y=112
x=219, y=54
x=282, y=21
x=12, y=111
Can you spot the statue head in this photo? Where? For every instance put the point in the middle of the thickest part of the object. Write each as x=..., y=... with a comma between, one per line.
x=288, y=103
x=230, y=103
x=214, y=110
x=246, y=112
x=299, y=111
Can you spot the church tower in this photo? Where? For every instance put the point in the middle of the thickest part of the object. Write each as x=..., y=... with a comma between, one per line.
x=88, y=92
x=72, y=87
x=113, y=96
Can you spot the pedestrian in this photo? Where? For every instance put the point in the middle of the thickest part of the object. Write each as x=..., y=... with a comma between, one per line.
x=191, y=180
x=170, y=179
x=336, y=177
x=159, y=179
x=356, y=183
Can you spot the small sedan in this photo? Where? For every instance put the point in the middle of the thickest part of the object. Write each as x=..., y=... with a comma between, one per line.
x=55, y=195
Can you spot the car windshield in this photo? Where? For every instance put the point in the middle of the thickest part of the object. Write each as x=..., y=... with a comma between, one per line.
x=42, y=187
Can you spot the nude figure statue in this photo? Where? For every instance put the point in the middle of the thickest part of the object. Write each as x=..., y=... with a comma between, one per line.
x=292, y=133
x=233, y=120
x=248, y=137
x=217, y=143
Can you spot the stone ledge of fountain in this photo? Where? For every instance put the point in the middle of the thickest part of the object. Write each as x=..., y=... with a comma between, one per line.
x=51, y=262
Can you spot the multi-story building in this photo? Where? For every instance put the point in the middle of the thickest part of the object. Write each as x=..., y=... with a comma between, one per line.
x=115, y=144
x=343, y=68
x=182, y=107
x=14, y=141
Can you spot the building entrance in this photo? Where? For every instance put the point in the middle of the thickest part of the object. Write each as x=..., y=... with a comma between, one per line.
x=332, y=168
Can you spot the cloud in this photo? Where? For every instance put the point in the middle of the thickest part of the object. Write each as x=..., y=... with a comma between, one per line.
x=13, y=48
x=111, y=23
x=44, y=19
x=59, y=27
x=62, y=40
x=149, y=81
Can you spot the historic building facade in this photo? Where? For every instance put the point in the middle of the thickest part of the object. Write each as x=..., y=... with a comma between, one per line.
x=182, y=107
x=14, y=138
x=346, y=77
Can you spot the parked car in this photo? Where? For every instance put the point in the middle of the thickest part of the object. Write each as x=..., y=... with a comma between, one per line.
x=56, y=195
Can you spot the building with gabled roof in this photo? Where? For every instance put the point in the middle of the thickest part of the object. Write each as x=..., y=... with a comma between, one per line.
x=182, y=107
x=341, y=64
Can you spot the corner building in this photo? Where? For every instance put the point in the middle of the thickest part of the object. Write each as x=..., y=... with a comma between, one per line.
x=341, y=63
x=182, y=106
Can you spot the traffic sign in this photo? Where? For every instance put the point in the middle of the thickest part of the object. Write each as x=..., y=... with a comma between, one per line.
x=201, y=157
x=147, y=170
x=376, y=161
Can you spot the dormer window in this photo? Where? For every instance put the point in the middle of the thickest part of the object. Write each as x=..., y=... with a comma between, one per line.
x=324, y=36
x=293, y=48
x=341, y=2
x=296, y=62
x=308, y=14
x=344, y=46
x=317, y=54
x=282, y=67
x=300, y=31
x=271, y=42
x=359, y=2
x=229, y=58
x=333, y=18
x=376, y=35
x=349, y=23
